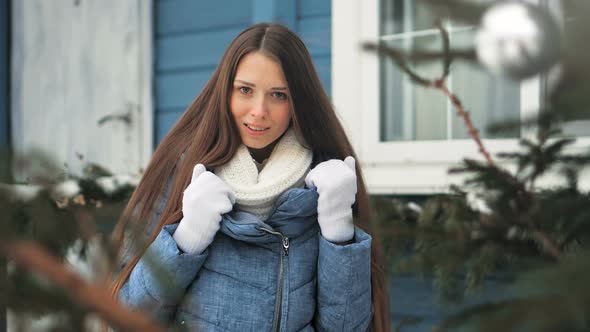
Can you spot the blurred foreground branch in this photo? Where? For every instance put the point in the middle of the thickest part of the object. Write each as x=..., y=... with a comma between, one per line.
x=34, y=258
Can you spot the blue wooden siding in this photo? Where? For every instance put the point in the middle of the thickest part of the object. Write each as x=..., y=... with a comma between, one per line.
x=190, y=37
x=4, y=72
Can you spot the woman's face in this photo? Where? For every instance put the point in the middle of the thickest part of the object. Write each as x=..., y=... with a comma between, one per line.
x=259, y=100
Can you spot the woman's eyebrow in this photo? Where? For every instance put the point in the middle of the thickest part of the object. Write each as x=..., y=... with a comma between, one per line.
x=247, y=83
x=254, y=85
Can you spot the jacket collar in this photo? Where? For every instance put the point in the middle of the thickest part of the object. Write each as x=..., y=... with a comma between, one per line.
x=294, y=212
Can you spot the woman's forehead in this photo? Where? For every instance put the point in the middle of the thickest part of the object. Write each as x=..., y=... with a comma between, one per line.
x=257, y=67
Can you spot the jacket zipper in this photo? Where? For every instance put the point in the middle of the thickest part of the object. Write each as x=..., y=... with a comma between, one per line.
x=279, y=301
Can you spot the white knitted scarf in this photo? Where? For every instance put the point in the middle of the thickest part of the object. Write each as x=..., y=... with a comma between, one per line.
x=256, y=193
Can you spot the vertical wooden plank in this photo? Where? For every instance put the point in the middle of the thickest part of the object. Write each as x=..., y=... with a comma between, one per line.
x=78, y=91
x=4, y=56
x=146, y=81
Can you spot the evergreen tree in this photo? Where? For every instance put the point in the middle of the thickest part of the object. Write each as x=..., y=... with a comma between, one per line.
x=502, y=219
x=54, y=239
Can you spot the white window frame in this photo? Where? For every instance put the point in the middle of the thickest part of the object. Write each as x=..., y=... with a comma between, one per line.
x=402, y=167
x=146, y=31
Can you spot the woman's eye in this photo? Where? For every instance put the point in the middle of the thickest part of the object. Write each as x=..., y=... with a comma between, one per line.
x=279, y=95
x=245, y=89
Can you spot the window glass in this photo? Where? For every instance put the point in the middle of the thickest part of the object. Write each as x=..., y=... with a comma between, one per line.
x=411, y=112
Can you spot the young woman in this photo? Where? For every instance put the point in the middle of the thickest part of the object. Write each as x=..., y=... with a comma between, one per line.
x=254, y=227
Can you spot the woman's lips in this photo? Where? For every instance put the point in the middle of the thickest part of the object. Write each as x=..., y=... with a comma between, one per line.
x=255, y=130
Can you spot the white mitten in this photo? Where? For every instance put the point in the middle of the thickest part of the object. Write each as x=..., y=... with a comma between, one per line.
x=335, y=181
x=205, y=199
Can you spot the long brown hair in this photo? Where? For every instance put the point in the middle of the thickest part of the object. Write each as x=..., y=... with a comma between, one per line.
x=206, y=133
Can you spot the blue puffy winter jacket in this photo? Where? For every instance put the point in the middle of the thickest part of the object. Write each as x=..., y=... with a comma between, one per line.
x=277, y=275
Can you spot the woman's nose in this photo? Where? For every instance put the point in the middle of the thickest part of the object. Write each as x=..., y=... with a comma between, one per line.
x=258, y=109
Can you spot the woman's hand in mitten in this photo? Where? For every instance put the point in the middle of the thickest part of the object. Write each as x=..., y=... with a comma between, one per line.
x=335, y=181
x=204, y=201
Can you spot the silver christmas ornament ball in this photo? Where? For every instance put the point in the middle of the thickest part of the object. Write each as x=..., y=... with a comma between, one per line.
x=517, y=40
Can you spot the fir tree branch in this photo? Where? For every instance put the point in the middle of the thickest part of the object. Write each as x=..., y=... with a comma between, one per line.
x=33, y=257
x=447, y=60
x=401, y=59
x=549, y=246
x=474, y=133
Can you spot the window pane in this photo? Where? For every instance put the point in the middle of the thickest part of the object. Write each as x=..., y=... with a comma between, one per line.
x=487, y=98
x=412, y=112
x=399, y=16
